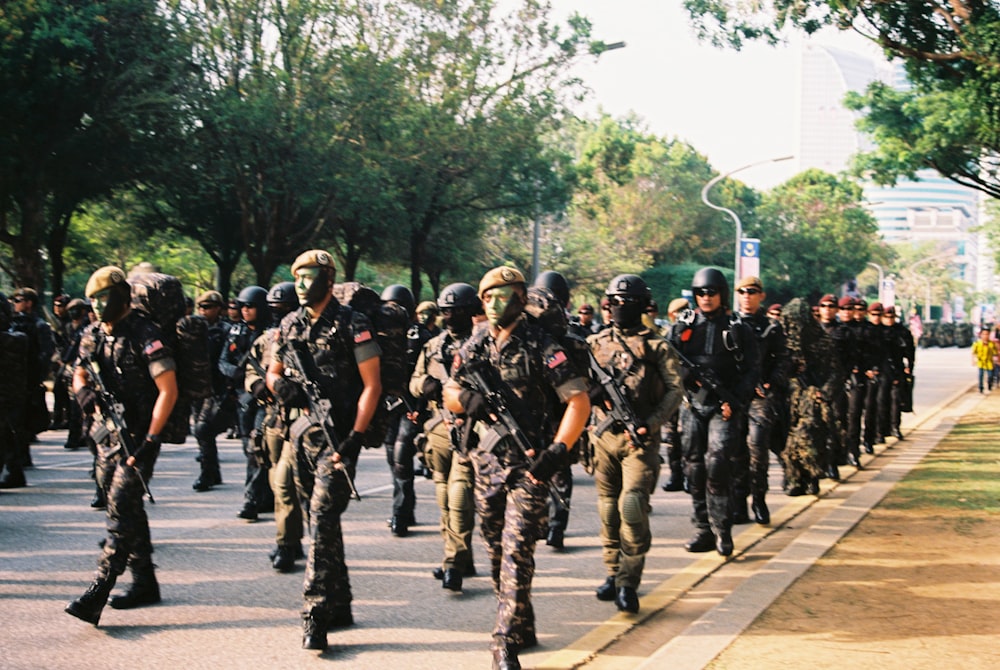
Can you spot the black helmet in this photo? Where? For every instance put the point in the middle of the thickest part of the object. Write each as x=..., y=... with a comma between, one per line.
x=283, y=294
x=256, y=296
x=711, y=278
x=458, y=295
x=6, y=312
x=628, y=285
x=556, y=283
x=400, y=295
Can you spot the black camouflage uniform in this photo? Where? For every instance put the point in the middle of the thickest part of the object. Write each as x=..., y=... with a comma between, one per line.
x=511, y=503
x=130, y=359
x=13, y=387
x=877, y=388
x=841, y=337
x=211, y=416
x=336, y=342
x=856, y=367
x=902, y=357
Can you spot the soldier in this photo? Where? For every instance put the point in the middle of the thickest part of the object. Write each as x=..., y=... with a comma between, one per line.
x=715, y=402
x=877, y=387
x=404, y=420
x=584, y=326
x=828, y=312
x=625, y=472
x=256, y=317
x=853, y=369
x=14, y=348
x=62, y=332
x=427, y=317
x=815, y=379
x=768, y=398
x=902, y=353
x=340, y=343
x=76, y=311
x=451, y=468
x=138, y=369
x=670, y=436
x=861, y=338
x=605, y=314
x=511, y=486
x=212, y=415
x=280, y=453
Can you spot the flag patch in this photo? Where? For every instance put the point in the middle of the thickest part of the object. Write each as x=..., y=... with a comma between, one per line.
x=152, y=347
x=555, y=359
x=363, y=336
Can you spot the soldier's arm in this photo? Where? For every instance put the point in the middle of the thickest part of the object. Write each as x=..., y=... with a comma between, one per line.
x=419, y=374
x=667, y=367
x=574, y=419
x=370, y=370
x=166, y=386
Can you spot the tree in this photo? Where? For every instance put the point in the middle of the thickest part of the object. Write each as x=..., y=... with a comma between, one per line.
x=87, y=93
x=815, y=234
x=949, y=120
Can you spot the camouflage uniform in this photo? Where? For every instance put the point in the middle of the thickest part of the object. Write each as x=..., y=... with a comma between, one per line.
x=901, y=360
x=625, y=475
x=855, y=365
x=815, y=380
x=727, y=346
x=876, y=418
x=338, y=340
x=211, y=416
x=840, y=335
x=513, y=511
x=452, y=470
x=129, y=360
x=13, y=389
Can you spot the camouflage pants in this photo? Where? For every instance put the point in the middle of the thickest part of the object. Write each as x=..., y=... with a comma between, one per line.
x=760, y=424
x=562, y=484
x=625, y=478
x=513, y=516
x=708, y=442
x=453, y=489
x=128, y=542
x=399, y=453
x=324, y=492
x=212, y=416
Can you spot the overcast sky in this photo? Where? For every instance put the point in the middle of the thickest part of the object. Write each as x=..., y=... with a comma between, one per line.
x=734, y=107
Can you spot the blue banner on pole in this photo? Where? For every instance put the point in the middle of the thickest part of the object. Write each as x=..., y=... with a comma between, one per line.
x=749, y=257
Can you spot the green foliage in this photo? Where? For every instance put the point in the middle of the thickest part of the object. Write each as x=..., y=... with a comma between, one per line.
x=814, y=233
x=668, y=281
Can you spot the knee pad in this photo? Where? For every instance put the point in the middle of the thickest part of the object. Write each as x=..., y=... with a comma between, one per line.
x=607, y=508
x=635, y=507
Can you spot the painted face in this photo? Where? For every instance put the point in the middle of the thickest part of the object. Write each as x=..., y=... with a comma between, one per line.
x=307, y=288
x=108, y=305
x=498, y=302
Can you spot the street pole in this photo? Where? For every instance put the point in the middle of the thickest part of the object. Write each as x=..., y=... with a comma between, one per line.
x=881, y=278
x=733, y=215
x=927, y=303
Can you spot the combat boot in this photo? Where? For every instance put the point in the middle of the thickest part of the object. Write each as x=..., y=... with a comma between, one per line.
x=144, y=590
x=13, y=478
x=627, y=600
x=505, y=658
x=606, y=591
x=313, y=631
x=89, y=606
x=452, y=580
x=724, y=543
x=761, y=514
x=283, y=559
x=676, y=480
x=702, y=541
x=740, y=515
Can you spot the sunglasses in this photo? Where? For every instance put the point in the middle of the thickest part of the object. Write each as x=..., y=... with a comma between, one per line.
x=859, y=308
x=748, y=291
x=827, y=305
x=18, y=299
x=706, y=292
x=208, y=305
x=875, y=313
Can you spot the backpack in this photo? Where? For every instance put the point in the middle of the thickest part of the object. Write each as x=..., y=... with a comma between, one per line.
x=160, y=298
x=391, y=323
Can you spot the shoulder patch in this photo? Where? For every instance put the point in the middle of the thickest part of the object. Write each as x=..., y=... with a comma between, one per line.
x=363, y=336
x=153, y=347
x=556, y=359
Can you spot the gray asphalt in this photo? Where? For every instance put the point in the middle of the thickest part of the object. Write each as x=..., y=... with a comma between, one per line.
x=223, y=606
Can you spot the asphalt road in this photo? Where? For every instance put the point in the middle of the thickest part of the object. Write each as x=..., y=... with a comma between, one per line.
x=223, y=605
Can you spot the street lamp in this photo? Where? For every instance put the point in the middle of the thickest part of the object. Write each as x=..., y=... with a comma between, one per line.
x=731, y=213
x=927, y=302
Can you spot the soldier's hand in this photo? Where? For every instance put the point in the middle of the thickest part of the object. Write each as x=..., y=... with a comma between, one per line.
x=290, y=393
x=727, y=411
x=474, y=404
x=86, y=397
x=552, y=460
x=349, y=449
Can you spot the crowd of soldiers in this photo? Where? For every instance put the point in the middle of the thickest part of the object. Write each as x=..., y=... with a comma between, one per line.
x=498, y=394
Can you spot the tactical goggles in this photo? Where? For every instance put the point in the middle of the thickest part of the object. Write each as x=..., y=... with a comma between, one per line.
x=706, y=292
x=208, y=305
x=624, y=299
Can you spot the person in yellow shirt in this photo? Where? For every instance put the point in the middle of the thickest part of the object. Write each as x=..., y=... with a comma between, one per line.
x=983, y=352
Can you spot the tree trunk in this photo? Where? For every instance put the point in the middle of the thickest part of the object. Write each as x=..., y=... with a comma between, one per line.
x=28, y=267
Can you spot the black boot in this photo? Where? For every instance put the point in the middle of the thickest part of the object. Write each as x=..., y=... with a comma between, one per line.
x=13, y=478
x=313, y=632
x=505, y=658
x=89, y=606
x=676, y=480
x=627, y=600
x=740, y=515
x=452, y=580
x=144, y=590
x=607, y=591
x=99, y=501
x=760, y=512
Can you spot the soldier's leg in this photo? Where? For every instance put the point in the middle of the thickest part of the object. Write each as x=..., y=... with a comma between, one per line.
x=694, y=435
x=723, y=437
x=287, y=512
x=525, y=517
x=559, y=506
x=640, y=470
x=871, y=414
x=438, y=455
x=608, y=482
x=884, y=407
x=855, y=406
x=675, y=454
x=739, y=476
x=401, y=462
x=491, y=502
x=461, y=513
x=209, y=421
x=895, y=414
x=759, y=430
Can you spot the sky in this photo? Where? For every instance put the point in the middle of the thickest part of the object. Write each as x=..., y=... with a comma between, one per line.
x=736, y=108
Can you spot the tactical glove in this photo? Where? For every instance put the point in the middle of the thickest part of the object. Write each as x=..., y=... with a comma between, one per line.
x=290, y=393
x=552, y=460
x=474, y=403
x=431, y=388
x=350, y=447
x=259, y=391
x=86, y=397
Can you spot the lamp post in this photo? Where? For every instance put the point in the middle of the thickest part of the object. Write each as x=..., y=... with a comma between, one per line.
x=732, y=214
x=927, y=302
x=881, y=278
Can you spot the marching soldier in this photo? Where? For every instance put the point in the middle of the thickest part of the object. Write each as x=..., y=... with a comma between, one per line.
x=138, y=369
x=625, y=472
x=512, y=483
x=212, y=415
x=902, y=353
x=344, y=355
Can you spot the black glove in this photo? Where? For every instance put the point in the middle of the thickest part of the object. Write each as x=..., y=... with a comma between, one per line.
x=290, y=393
x=259, y=391
x=86, y=397
x=350, y=447
x=552, y=460
x=431, y=388
x=474, y=403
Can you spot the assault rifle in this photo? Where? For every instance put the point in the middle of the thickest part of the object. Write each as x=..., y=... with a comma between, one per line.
x=113, y=420
x=319, y=410
x=709, y=380
x=621, y=409
x=498, y=402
